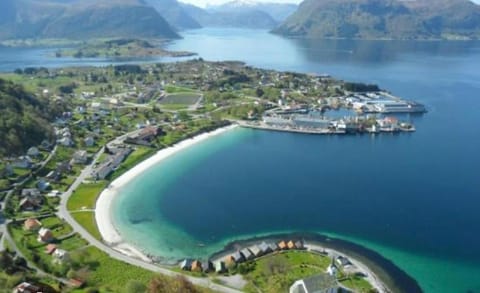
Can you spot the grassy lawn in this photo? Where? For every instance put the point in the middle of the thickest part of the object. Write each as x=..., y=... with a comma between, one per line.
x=359, y=284
x=177, y=89
x=276, y=273
x=181, y=98
x=87, y=220
x=85, y=196
x=111, y=275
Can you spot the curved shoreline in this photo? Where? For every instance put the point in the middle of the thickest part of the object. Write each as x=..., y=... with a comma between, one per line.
x=103, y=218
x=383, y=282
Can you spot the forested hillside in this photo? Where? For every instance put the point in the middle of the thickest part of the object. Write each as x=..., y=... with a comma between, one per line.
x=24, y=119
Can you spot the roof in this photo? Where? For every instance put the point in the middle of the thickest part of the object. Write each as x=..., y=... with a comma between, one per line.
x=32, y=223
x=44, y=232
x=50, y=248
x=320, y=283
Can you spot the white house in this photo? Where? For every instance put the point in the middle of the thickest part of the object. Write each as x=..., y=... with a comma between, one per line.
x=33, y=152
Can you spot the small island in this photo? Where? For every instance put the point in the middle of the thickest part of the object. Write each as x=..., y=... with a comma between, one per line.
x=120, y=48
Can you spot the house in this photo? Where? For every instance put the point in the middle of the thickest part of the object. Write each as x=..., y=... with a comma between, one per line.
x=31, y=192
x=33, y=152
x=207, y=266
x=291, y=245
x=26, y=287
x=230, y=261
x=45, y=235
x=80, y=157
x=32, y=224
x=256, y=251
x=220, y=267
x=247, y=254
x=50, y=248
x=186, y=264
x=54, y=193
x=332, y=269
x=265, y=248
x=65, y=141
x=317, y=283
x=342, y=261
x=43, y=185
x=75, y=283
x=64, y=167
x=145, y=136
x=89, y=141
x=60, y=255
x=282, y=245
x=273, y=246
x=29, y=203
x=196, y=266
x=238, y=257
x=23, y=162
x=299, y=244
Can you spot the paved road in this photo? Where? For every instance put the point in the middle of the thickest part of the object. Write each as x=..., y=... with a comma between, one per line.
x=64, y=214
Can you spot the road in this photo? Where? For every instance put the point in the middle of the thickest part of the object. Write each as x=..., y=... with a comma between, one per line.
x=64, y=214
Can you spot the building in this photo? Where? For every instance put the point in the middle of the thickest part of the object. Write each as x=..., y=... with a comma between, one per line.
x=60, y=255
x=256, y=251
x=186, y=264
x=291, y=245
x=145, y=136
x=89, y=141
x=80, y=157
x=265, y=248
x=207, y=266
x=282, y=245
x=45, y=235
x=31, y=192
x=43, y=184
x=342, y=261
x=33, y=152
x=220, y=267
x=196, y=266
x=238, y=257
x=50, y=248
x=321, y=283
x=29, y=203
x=299, y=244
x=247, y=254
x=32, y=224
x=23, y=162
x=26, y=287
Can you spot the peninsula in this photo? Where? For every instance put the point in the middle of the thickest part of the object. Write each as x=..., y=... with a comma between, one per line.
x=105, y=126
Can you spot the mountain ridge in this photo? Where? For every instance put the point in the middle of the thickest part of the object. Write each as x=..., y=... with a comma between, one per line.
x=383, y=19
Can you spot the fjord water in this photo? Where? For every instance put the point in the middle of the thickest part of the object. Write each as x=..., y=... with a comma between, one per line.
x=413, y=198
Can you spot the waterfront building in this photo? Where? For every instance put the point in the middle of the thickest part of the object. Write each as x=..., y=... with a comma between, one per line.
x=247, y=254
x=317, y=283
x=196, y=266
x=265, y=248
x=220, y=267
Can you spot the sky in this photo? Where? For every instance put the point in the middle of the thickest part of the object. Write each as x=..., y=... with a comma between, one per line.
x=203, y=3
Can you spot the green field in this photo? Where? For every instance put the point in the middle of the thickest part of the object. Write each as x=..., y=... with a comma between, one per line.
x=180, y=99
x=276, y=273
x=87, y=220
x=177, y=89
x=85, y=196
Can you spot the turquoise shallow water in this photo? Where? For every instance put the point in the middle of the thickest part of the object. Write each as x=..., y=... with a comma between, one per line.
x=413, y=198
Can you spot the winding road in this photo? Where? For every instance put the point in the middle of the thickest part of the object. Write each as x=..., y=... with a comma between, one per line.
x=64, y=214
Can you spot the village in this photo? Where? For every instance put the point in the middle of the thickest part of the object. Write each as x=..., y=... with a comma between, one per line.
x=117, y=116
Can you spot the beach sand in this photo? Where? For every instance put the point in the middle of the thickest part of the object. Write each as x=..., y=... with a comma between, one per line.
x=103, y=217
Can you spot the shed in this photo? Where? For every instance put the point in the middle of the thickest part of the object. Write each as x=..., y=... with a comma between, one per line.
x=247, y=254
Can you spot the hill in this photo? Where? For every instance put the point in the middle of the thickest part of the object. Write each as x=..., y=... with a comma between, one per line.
x=174, y=13
x=77, y=19
x=223, y=17
x=23, y=119
x=384, y=19
x=278, y=11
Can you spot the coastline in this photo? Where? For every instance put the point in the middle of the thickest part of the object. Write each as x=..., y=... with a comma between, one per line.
x=107, y=229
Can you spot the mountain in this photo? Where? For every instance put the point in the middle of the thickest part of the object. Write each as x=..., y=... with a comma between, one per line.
x=384, y=19
x=278, y=11
x=219, y=17
x=77, y=19
x=23, y=119
x=174, y=13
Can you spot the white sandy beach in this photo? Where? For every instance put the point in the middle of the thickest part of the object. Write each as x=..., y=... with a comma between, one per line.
x=102, y=209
